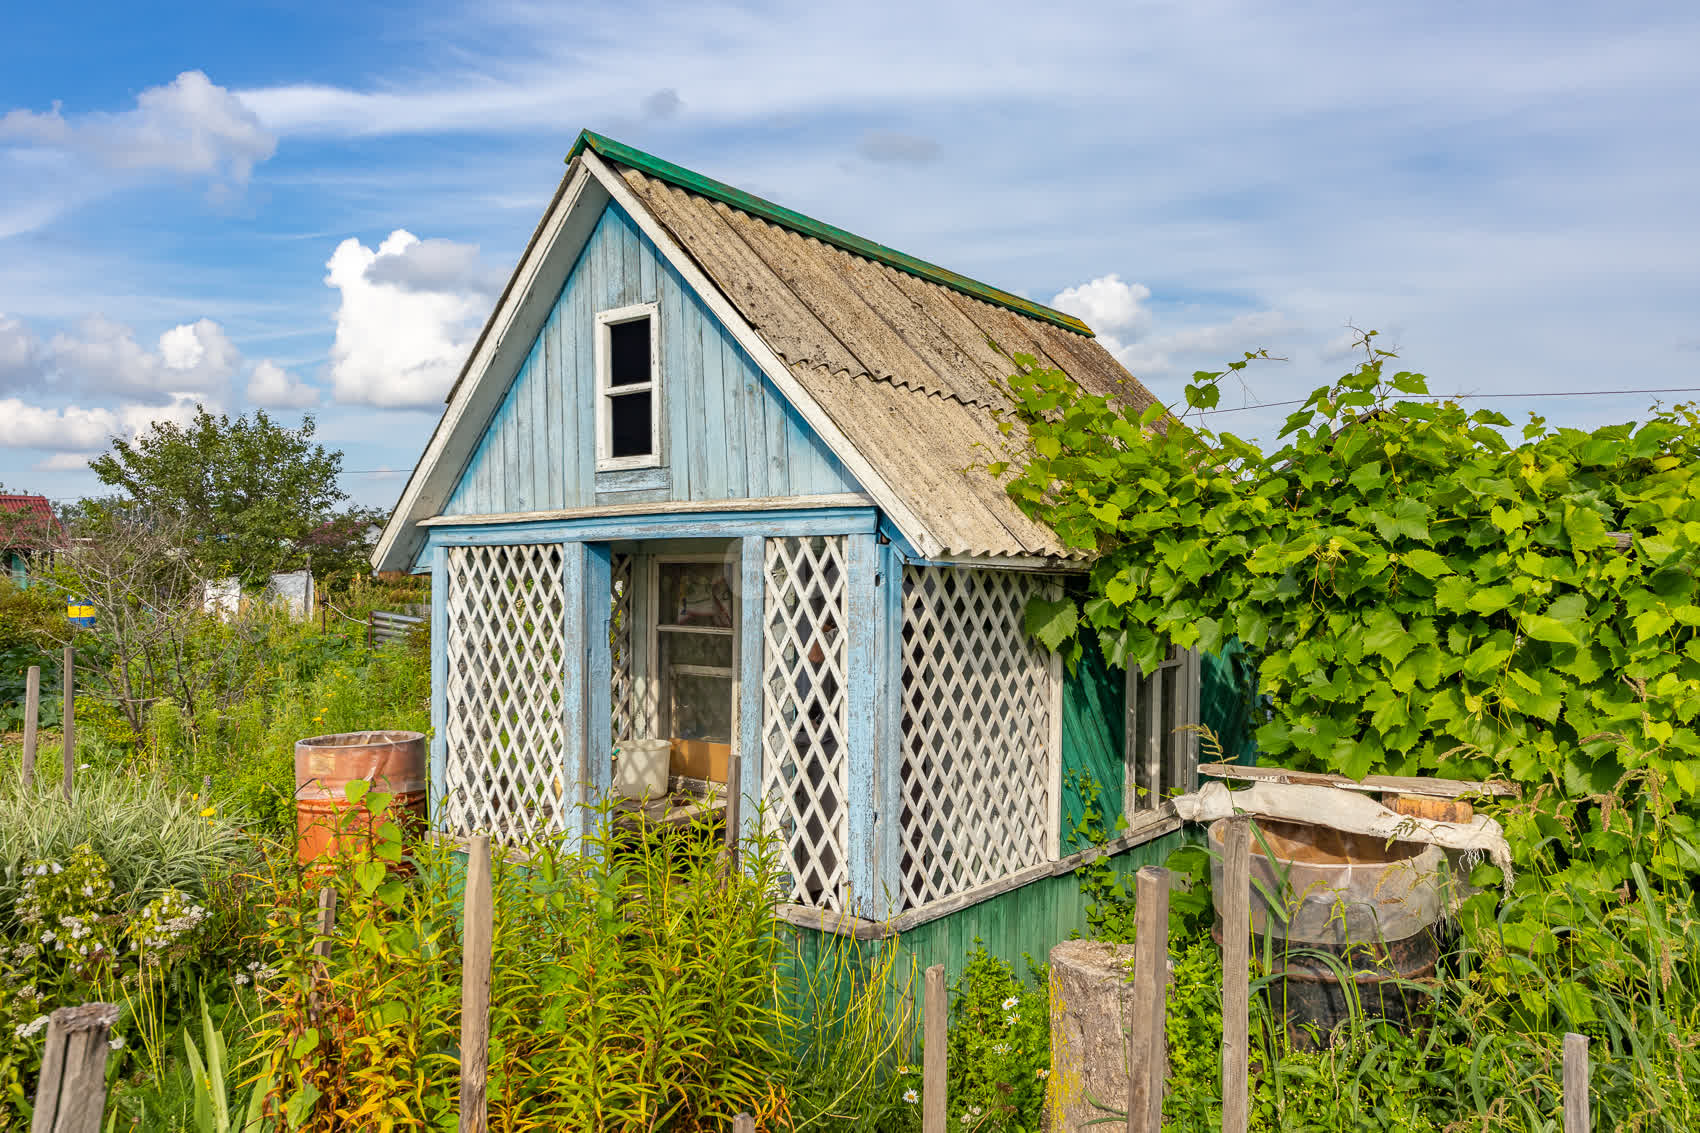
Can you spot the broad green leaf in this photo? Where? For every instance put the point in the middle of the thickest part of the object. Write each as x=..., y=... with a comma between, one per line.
x=1425, y=562
x=1542, y=628
x=1585, y=528
x=356, y=789
x=1051, y=622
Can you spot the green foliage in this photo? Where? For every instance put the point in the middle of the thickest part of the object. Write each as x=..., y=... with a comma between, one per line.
x=32, y=623
x=216, y=1109
x=249, y=491
x=1425, y=596
x=632, y=986
x=1000, y=1047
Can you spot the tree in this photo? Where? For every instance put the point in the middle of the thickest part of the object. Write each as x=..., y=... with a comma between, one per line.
x=247, y=491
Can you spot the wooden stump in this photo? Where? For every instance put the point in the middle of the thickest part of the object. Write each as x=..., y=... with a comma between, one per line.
x=1092, y=1009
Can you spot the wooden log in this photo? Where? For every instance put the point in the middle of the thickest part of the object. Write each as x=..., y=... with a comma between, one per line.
x=32, y=717
x=70, y=1095
x=478, y=931
x=70, y=720
x=934, y=1103
x=1236, y=977
x=1576, y=1074
x=1434, y=808
x=1147, y=1047
x=326, y=923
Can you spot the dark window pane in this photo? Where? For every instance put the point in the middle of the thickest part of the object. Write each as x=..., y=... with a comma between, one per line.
x=628, y=353
x=629, y=416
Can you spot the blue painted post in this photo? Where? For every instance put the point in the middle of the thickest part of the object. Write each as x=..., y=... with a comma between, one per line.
x=752, y=610
x=889, y=705
x=570, y=764
x=439, y=683
x=865, y=629
x=598, y=729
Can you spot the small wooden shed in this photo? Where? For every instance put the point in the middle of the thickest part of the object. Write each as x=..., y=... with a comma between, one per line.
x=708, y=476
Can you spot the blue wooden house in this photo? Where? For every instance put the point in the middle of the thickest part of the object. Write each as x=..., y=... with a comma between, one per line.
x=708, y=476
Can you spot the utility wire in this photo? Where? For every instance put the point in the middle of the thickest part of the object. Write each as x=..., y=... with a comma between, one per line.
x=1463, y=396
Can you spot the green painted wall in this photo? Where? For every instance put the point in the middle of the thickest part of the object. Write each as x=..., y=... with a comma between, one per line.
x=1227, y=701
x=1094, y=731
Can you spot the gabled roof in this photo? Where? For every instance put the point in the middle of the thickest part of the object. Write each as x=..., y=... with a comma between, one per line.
x=27, y=522
x=894, y=361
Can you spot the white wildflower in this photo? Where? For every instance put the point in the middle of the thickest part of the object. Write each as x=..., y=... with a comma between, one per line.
x=31, y=1028
x=241, y=979
x=117, y=1042
x=1009, y=1004
x=911, y=1096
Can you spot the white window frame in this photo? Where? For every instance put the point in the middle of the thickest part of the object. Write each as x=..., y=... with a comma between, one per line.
x=606, y=391
x=661, y=687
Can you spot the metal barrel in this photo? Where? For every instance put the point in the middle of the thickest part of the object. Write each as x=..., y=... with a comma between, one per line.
x=324, y=766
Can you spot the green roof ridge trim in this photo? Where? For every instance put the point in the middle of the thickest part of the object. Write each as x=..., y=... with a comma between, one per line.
x=694, y=182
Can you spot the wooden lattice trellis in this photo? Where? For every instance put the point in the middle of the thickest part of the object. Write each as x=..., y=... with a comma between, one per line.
x=977, y=725
x=505, y=729
x=805, y=709
x=620, y=648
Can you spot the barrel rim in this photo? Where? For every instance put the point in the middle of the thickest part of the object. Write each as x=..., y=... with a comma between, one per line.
x=374, y=737
x=1216, y=832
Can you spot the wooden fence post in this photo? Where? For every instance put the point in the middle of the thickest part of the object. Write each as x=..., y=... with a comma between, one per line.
x=1576, y=1074
x=743, y=1123
x=477, y=931
x=71, y=1092
x=327, y=922
x=1147, y=1047
x=70, y=719
x=935, y=1109
x=1236, y=977
x=32, y=717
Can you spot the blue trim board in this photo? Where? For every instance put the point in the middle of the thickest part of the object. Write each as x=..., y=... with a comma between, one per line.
x=861, y=651
x=439, y=557
x=888, y=748
x=574, y=699
x=686, y=525
x=752, y=612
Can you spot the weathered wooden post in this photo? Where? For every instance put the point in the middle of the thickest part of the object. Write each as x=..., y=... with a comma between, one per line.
x=1147, y=1047
x=70, y=719
x=32, y=716
x=935, y=1107
x=1576, y=1073
x=743, y=1123
x=327, y=922
x=1236, y=976
x=478, y=931
x=71, y=1092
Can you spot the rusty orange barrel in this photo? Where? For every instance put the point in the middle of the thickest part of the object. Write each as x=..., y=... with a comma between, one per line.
x=325, y=765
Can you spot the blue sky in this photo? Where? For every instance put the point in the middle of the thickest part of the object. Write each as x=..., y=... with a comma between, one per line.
x=202, y=202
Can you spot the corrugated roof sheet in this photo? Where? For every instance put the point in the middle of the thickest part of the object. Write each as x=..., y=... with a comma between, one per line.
x=906, y=367
x=35, y=524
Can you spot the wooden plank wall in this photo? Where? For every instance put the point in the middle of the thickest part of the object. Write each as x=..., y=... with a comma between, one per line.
x=1093, y=740
x=726, y=432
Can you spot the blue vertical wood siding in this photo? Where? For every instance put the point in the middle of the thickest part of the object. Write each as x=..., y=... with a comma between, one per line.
x=726, y=433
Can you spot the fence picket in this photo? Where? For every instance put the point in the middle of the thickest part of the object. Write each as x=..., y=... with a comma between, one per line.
x=1576, y=1073
x=32, y=716
x=1236, y=977
x=478, y=929
x=934, y=1103
x=70, y=1093
x=1147, y=1046
x=70, y=720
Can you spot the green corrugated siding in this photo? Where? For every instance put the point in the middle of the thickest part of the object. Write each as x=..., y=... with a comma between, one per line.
x=1094, y=731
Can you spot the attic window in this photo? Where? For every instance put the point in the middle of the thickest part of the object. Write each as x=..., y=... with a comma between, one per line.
x=628, y=389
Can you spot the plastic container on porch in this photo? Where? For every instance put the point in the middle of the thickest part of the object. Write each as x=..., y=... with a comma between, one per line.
x=640, y=768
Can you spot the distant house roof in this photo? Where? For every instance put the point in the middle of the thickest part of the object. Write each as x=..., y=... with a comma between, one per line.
x=27, y=522
x=894, y=358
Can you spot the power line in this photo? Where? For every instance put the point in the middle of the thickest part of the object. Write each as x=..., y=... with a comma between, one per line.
x=1463, y=396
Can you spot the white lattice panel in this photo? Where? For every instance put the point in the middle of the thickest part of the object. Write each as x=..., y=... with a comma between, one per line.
x=977, y=707
x=506, y=736
x=804, y=719
x=620, y=648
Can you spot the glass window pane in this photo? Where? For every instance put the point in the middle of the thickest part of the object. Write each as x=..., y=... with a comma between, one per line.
x=701, y=708
x=696, y=594
x=629, y=420
x=628, y=353
x=711, y=649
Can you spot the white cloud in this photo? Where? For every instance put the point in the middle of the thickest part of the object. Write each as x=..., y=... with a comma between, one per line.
x=76, y=429
x=190, y=125
x=436, y=265
x=66, y=462
x=195, y=357
x=273, y=387
x=1107, y=304
x=20, y=353
x=397, y=345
